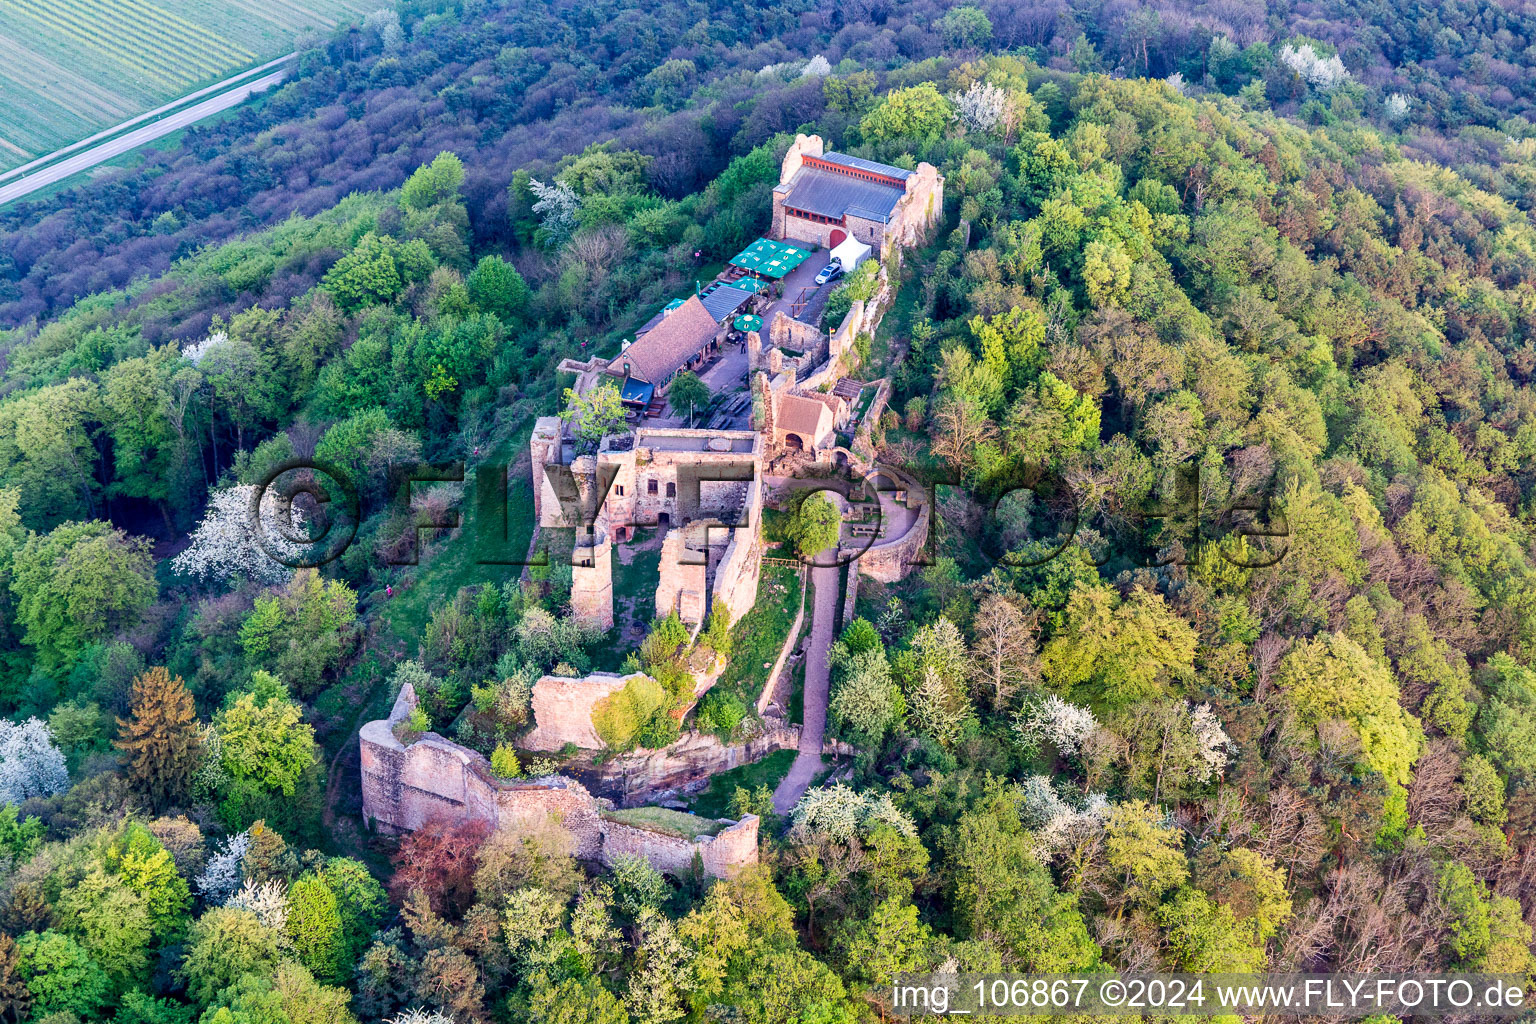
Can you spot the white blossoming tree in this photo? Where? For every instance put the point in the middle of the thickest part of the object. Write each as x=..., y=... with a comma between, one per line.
x=817, y=67
x=198, y=350
x=982, y=107
x=268, y=901
x=225, y=547
x=31, y=764
x=1322, y=73
x=1214, y=745
x=556, y=206
x=222, y=874
x=1053, y=720
x=840, y=813
x=418, y=1015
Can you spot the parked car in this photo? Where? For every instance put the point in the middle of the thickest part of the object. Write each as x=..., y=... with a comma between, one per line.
x=830, y=272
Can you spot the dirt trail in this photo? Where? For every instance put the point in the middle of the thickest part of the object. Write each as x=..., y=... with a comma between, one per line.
x=808, y=763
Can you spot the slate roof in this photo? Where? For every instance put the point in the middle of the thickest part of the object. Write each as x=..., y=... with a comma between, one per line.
x=830, y=194
x=664, y=349
x=724, y=301
x=858, y=163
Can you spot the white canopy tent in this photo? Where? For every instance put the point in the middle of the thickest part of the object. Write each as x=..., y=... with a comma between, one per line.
x=851, y=252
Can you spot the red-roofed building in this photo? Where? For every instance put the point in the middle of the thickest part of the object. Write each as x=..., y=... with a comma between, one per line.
x=684, y=336
x=825, y=198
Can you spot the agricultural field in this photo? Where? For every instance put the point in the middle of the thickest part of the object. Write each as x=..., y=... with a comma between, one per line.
x=69, y=68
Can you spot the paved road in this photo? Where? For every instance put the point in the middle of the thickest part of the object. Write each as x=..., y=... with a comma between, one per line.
x=796, y=281
x=138, y=137
x=729, y=371
x=808, y=763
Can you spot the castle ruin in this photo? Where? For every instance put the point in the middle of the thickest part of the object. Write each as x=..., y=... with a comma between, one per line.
x=431, y=778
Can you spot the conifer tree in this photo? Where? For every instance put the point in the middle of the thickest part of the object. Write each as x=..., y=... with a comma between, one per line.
x=15, y=999
x=160, y=737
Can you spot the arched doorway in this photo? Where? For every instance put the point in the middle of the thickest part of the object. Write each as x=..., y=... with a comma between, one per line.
x=836, y=238
x=794, y=442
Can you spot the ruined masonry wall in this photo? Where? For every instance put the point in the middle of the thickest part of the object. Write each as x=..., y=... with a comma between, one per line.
x=722, y=855
x=405, y=787
x=891, y=561
x=562, y=709
x=737, y=576
x=433, y=778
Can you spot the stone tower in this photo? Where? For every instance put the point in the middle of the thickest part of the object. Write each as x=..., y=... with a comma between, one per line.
x=592, y=579
x=754, y=350
x=544, y=448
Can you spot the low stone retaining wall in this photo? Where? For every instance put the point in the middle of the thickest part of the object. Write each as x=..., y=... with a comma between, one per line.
x=851, y=593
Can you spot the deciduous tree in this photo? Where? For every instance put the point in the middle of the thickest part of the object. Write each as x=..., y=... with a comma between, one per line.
x=78, y=584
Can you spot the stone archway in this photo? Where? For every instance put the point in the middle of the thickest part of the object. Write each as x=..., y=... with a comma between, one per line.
x=836, y=238
x=794, y=442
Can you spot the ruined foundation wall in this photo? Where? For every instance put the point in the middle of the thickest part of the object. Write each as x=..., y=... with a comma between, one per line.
x=722, y=855
x=891, y=561
x=562, y=709
x=404, y=787
x=642, y=776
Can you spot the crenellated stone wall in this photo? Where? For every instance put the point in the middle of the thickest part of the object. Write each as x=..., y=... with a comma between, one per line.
x=404, y=787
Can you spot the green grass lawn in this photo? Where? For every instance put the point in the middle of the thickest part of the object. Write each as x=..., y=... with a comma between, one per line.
x=757, y=639
x=796, y=709
x=897, y=322
x=460, y=560
x=634, y=599
x=666, y=821
x=715, y=801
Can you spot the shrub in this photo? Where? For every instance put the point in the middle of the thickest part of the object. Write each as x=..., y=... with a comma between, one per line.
x=720, y=713
x=659, y=730
x=619, y=716
x=414, y=725
x=504, y=764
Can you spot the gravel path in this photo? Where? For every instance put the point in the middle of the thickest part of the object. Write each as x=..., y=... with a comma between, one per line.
x=817, y=682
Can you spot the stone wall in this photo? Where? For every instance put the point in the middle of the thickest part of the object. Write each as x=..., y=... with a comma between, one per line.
x=645, y=776
x=737, y=575
x=562, y=709
x=765, y=699
x=851, y=593
x=650, y=473
x=797, y=336
x=682, y=584
x=722, y=855
x=544, y=448
x=892, y=560
x=592, y=581
x=920, y=209
x=404, y=787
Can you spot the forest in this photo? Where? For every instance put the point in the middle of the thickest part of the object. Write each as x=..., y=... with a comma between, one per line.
x=1191, y=259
